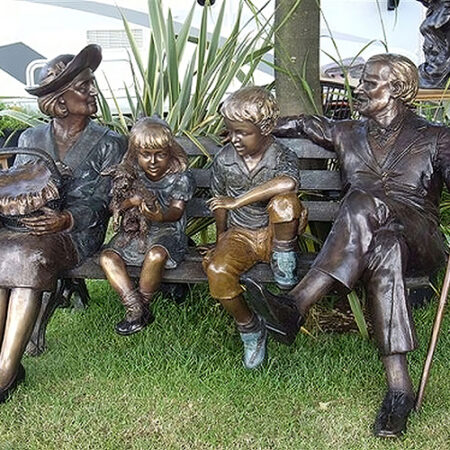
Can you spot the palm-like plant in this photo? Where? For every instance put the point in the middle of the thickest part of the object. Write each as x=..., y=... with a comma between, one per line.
x=186, y=88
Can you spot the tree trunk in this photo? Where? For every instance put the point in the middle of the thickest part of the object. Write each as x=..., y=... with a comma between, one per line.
x=297, y=49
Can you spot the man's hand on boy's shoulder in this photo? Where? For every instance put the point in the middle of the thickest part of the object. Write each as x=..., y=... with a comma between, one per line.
x=222, y=202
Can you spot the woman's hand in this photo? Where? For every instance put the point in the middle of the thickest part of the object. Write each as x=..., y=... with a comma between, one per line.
x=222, y=202
x=50, y=221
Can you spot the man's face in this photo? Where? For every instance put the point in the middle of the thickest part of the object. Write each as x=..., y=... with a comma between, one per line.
x=154, y=162
x=246, y=137
x=374, y=92
x=81, y=98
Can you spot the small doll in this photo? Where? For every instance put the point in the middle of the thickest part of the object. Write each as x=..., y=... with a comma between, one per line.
x=152, y=184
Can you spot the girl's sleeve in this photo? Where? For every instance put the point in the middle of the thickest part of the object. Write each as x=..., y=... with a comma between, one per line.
x=184, y=186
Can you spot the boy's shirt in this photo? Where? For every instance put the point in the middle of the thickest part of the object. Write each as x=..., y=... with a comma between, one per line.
x=230, y=177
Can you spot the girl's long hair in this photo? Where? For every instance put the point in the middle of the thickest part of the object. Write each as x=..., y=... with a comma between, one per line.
x=153, y=133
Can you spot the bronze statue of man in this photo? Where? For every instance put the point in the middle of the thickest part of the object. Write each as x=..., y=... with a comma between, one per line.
x=56, y=240
x=393, y=166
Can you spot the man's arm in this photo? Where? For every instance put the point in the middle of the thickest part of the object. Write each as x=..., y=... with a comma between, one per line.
x=318, y=129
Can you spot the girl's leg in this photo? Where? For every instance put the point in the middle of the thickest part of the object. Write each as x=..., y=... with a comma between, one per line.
x=152, y=272
x=23, y=308
x=4, y=295
x=136, y=317
x=116, y=272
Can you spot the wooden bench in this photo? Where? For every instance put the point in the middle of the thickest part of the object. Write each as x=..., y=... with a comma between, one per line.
x=320, y=190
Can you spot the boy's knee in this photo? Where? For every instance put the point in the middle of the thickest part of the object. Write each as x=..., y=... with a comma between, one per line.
x=223, y=282
x=216, y=269
x=285, y=208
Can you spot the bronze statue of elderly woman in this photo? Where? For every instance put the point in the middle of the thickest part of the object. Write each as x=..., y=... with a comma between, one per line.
x=393, y=166
x=33, y=255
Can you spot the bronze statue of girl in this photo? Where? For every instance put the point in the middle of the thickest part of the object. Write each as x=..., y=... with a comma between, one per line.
x=161, y=186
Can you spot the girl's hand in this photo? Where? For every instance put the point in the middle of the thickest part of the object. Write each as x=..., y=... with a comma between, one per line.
x=222, y=202
x=155, y=214
x=135, y=200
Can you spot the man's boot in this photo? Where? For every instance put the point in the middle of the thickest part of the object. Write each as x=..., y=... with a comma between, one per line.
x=284, y=263
x=393, y=414
x=136, y=315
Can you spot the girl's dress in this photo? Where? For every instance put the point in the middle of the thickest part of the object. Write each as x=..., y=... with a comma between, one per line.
x=170, y=235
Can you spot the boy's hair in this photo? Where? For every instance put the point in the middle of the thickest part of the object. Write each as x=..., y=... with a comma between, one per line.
x=253, y=104
x=153, y=133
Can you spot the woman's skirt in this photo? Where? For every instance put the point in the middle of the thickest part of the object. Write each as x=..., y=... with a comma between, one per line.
x=35, y=262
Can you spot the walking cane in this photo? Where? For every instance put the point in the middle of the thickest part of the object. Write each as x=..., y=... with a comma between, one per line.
x=434, y=337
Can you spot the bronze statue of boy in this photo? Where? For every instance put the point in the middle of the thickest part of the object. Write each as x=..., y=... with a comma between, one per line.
x=393, y=165
x=258, y=215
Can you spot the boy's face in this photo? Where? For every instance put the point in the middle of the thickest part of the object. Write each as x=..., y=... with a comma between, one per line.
x=246, y=137
x=154, y=162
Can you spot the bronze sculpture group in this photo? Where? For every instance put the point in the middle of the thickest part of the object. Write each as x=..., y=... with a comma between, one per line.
x=393, y=166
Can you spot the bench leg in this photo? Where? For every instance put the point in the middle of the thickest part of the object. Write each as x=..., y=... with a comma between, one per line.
x=68, y=292
x=175, y=291
x=74, y=293
x=36, y=344
x=420, y=296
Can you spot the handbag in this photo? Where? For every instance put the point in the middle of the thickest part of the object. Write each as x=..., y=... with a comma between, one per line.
x=25, y=189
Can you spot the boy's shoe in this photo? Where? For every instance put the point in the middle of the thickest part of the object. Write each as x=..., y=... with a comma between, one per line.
x=8, y=390
x=284, y=265
x=393, y=414
x=255, y=344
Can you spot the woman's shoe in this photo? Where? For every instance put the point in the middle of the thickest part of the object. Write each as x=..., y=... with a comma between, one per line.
x=8, y=390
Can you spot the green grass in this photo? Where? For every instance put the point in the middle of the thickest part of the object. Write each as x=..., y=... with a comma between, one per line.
x=180, y=384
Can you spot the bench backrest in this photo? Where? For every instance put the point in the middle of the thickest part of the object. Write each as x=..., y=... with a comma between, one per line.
x=316, y=183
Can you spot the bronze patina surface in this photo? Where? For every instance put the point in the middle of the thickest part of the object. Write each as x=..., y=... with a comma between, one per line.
x=393, y=165
x=55, y=239
x=434, y=72
x=150, y=190
x=258, y=215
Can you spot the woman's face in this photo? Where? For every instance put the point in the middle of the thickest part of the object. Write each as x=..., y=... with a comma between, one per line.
x=81, y=98
x=154, y=162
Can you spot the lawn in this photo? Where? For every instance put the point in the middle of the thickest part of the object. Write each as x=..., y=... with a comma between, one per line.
x=180, y=384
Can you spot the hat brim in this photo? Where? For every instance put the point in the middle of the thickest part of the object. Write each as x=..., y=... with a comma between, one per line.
x=89, y=58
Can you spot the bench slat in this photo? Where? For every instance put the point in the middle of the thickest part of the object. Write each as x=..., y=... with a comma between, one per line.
x=302, y=147
x=190, y=271
x=323, y=180
x=318, y=211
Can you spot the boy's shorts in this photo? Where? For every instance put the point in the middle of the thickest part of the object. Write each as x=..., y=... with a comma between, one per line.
x=241, y=248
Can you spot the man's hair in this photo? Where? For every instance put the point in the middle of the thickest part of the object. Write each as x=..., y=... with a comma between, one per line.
x=253, y=104
x=403, y=71
x=154, y=134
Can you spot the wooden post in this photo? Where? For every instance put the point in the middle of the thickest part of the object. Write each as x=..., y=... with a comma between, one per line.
x=297, y=50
